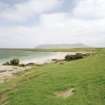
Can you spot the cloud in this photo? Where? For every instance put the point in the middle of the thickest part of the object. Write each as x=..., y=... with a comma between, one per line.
x=62, y=28
x=22, y=11
x=100, y=8
x=57, y=28
x=90, y=9
x=84, y=24
x=12, y=2
x=85, y=9
x=3, y=6
x=17, y=36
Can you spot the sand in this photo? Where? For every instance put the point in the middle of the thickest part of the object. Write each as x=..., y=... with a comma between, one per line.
x=57, y=55
x=8, y=72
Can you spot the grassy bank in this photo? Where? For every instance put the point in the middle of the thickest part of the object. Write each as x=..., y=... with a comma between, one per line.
x=39, y=85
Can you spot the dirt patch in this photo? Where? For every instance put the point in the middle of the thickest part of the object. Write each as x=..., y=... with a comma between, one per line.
x=3, y=99
x=9, y=72
x=65, y=93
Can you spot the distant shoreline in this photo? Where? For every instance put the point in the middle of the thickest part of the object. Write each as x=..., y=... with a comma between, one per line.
x=7, y=72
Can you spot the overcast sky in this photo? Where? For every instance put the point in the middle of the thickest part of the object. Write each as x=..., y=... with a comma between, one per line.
x=27, y=23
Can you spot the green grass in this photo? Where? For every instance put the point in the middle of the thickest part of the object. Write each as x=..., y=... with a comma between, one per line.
x=37, y=86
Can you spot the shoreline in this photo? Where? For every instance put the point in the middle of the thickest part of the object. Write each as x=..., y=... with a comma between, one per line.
x=48, y=59
x=8, y=71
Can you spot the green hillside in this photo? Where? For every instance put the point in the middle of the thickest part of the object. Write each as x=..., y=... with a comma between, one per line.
x=48, y=84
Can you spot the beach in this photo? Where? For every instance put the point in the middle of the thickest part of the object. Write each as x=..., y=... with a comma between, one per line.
x=7, y=72
x=48, y=59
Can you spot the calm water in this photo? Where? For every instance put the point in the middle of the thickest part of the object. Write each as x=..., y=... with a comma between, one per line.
x=6, y=55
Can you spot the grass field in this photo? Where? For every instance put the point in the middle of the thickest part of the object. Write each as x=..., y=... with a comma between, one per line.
x=39, y=85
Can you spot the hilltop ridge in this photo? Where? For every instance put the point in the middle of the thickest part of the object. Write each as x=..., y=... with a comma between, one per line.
x=76, y=45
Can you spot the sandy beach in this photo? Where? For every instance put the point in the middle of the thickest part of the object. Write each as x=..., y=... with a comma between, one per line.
x=9, y=72
x=48, y=59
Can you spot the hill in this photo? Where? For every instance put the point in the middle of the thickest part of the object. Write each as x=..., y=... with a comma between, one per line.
x=58, y=46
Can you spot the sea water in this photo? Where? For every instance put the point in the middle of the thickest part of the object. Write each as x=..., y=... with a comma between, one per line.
x=22, y=55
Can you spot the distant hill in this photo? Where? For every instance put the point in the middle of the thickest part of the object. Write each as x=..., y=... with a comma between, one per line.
x=52, y=46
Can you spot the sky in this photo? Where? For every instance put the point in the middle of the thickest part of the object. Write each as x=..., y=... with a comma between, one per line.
x=28, y=23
